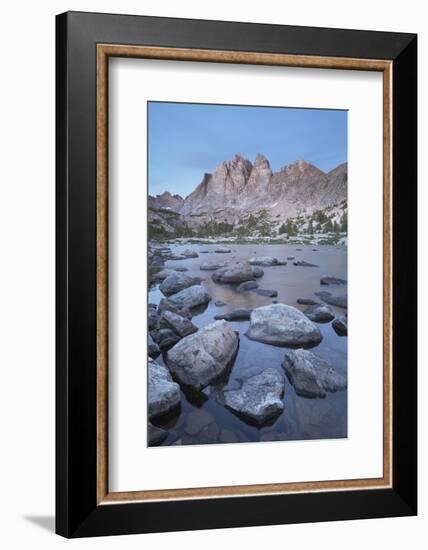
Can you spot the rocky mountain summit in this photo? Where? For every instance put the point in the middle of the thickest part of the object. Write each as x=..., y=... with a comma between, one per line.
x=245, y=197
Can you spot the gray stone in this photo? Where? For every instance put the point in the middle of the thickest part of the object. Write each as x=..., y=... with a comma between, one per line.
x=190, y=297
x=207, y=266
x=268, y=293
x=190, y=254
x=241, y=314
x=153, y=350
x=219, y=303
x=201, y=358
x=282, y=325
x=338, y=301
x=332, y=281
x=307, y=301
x=310, y=374
x=260, y=397
x=237, y=273
x=165, y=305
x=176, y=282
x=164, y=393
x=155, y=435
x=320, y=313
x=290, y=258
x=161, y=275
x=180, y=325
x=247, y=285
x=223, y=251
x=153, y=319
x=165, y=338
x=266, y=261
x=340, y=325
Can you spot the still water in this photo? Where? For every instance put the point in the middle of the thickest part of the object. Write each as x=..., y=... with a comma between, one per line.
x=302, y=418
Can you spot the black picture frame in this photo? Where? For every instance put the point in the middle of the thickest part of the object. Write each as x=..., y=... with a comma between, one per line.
x=77, y=511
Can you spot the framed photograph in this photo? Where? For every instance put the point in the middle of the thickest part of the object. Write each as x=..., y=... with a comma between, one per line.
x=236, y=274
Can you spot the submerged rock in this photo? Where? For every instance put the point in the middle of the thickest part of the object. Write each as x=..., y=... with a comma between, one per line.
x=176, y=282
x=266, y=261
x=320, y=313
x=310, y=374
x=339, y=301
x=180, y=325
x=163, y=392
x=307, y=301
x=201, y=358
x=237, y=273
x=223, y=251
x=340, y=325
x=332, y=281
x=206, y=266
x=219, y=303
x=190, y=297
x=235, y=315
x=247, y=285
x=302, y=263
x=282, y=325
x=155, y=435
x=189, y=253
x=268, y=293
x=290, y=258
x=260, y=397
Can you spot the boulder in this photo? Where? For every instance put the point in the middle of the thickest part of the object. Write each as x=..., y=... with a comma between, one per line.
x=206, y=266
x=310, y=374
x=260, y=397
x=282, y=325
x=340, y=325
x=266, y=261
x=320, y=313
x=163, y=392
x=247, y=285
x=290, y=258
x=180, y=325
x=219, y=303
x=204, y=252
x=203, y=357
x=155, y=435
x=152, y=319
x=328, y=298
x=176, y=282
x=302, y=263
x=190, y=297
x=332, y=281
x=153, y=350
x=161, y=275
x=223, y=251
x=189, y=253
x=235, y=315
x=237, y=273
x=165, y=305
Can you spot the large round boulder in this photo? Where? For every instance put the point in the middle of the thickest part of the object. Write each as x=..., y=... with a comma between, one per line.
x=283, y=325
x=201, y=358
x=176, y=282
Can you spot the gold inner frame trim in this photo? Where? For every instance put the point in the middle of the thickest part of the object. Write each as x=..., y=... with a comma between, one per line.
x=104, y=51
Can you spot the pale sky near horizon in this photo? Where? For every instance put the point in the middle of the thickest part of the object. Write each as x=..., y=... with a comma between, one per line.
x=185, y=140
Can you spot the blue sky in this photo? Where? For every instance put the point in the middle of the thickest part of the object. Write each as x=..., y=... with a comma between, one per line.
x=187, y=139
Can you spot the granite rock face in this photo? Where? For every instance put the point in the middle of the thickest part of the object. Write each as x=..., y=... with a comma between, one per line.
x=283, y=325
x=164, y=393
x=201, y=358
x=260, y=397
x=310, y=374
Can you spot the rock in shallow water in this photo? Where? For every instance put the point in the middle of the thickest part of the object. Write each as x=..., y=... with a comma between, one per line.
x=310, y=374
x=332, y=281
x=180, y=325
x=328, y=298
x=165, y=305
x=340, y=325
x=190, y=297
x=260, y=397
x=304, y=264
x=265, y=292
x=235, y=315
x=207, y=266
x=247, y=285
x=223, y=251
x=266, y=261
x=307, y=301
x=155, y=435
x=189, y=253
x=176, y=282
x=320, y=313
x=165, y=338
x=199, y=359
x=164, y=393
x=237, y=273
x=282, y=325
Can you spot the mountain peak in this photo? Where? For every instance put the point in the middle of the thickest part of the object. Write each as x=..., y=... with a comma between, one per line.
x=261, y=162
